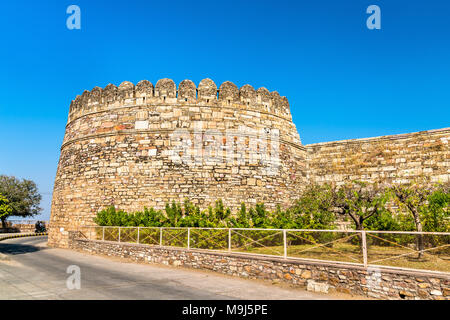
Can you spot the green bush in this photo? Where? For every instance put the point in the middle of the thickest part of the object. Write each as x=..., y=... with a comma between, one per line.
x=306, y=213
x=383, y=221
x=435, y=216
x=314, y=209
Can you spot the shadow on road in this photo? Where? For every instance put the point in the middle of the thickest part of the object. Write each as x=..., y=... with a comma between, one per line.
x=13, y=248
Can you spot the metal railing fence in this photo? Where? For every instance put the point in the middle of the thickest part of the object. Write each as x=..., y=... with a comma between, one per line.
x=394, y=249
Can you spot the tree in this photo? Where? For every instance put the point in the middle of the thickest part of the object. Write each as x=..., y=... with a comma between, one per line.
x=436, y=213
x=242, y=219
x=314, y=208
x=360, y=201
x=22, y=195
x=413, y=197
x=5, y=209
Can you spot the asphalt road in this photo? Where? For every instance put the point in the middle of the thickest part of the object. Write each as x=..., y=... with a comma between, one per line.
x=31, y=270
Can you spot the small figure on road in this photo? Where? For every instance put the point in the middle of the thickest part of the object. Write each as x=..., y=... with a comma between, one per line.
x=39, y=227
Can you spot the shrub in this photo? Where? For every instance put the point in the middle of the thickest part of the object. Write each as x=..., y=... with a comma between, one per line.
x=314, y=209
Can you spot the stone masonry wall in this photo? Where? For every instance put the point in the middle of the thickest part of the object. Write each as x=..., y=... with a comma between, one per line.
x=377, y=283
x=124, y=147
x=389, y=159
x=25, y=227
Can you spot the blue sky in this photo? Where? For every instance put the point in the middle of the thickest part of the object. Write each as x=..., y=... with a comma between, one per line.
x=343, y=80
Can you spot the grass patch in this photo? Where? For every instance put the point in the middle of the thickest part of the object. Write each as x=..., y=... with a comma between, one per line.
x=346, y=252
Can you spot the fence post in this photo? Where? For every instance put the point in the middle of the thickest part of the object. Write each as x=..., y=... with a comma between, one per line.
x=364, y=247
x=284, y=244
x=119, y=234
x=103, y=235
x=189, y=238
x=160, y=236
x=138, y=234
x=229, y=240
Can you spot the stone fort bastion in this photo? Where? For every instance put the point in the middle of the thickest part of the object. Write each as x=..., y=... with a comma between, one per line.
x=143, y=145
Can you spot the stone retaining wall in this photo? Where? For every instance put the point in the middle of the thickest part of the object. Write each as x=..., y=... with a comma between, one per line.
x=380, y=283
x=17, y=228
x=23, y=227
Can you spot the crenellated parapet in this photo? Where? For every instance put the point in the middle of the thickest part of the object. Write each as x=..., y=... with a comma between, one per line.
x=166, y=92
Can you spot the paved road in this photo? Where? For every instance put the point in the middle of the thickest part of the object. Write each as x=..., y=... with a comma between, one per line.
x=31, y=270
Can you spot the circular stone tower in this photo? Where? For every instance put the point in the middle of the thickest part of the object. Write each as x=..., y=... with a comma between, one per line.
x=144, y=145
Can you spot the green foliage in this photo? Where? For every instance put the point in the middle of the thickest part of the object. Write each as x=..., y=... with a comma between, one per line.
x=113, y=217
x=259, y=217
x=285, y=219
x=174, y=215
x=385, y=220
x=5, y=208
x=241, y=220
x=22, y=195
x=436, y=214
x=427, y=207
x=360, y=201
x=311, y=211
x=314, y=209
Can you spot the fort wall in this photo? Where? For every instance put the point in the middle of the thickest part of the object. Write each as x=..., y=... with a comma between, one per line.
x=136, y=146
x=390, y=159
x=144, y=145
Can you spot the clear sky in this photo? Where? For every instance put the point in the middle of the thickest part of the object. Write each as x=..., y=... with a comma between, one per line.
x=343, y=80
